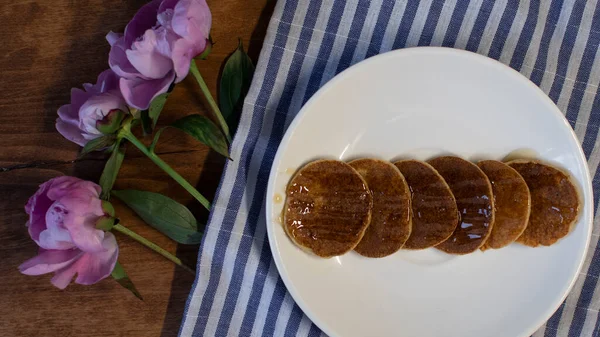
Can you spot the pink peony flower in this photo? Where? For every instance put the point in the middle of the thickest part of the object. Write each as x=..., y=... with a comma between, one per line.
x=157, y=47
x=62, y=221
x=98, y=104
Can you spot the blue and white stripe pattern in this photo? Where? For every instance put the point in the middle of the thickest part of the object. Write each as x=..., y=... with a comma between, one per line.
x=553, y=42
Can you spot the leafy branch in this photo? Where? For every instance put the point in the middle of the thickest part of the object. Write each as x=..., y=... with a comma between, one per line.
x=161, y=212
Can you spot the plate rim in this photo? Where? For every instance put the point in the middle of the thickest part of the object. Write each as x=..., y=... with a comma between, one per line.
x=585, y=189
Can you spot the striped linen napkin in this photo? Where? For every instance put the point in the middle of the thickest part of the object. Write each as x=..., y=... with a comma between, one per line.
x=238, y=291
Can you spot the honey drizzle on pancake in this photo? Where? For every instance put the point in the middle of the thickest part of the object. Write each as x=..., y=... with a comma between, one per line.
x=473, y=193
x=512, y=203
x=390, y=224
x=328, y=208
x=434, y=213
x=554, y=203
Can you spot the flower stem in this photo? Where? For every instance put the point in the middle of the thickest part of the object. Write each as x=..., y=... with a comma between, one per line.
x=165, y=167
x=122, y=229
x=213, y=105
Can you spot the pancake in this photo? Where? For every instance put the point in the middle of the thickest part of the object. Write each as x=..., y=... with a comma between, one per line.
x=327, y=208
x=390, y=218
x=434, y=213
x=555, y=203
x=473, y=193
x=512, y=203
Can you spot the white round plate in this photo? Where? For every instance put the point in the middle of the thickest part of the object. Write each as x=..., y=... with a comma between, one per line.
x=420, y=103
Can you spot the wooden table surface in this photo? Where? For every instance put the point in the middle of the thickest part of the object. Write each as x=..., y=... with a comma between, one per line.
x=49, y=46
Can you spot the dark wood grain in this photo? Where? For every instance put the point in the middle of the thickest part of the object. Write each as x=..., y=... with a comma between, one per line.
x=49, y=46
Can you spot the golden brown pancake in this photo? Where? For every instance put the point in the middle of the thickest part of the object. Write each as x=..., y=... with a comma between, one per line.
x=390, y=218
x=327, y=208
x=555, y=203
x=473, y=193
x=434, y=213
x=512, y=203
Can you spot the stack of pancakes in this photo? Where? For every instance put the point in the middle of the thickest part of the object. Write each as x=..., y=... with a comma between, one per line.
x=377, y=208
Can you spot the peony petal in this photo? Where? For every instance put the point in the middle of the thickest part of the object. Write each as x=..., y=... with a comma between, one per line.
x=82, y=205
x=70, y=132
x=36, y=207
x=112, y=37
x=183, y=53
x=94, y=188
x=96, y=109
x=138, y=93
x=63, y=277
x=84, y=233
x=146, y=58
x=48, y=261
x=165, y=17
x=68, y=115
x=165, y=39
x=107, y=80
x=78, y=97
x=144, y=19
x=167, y=4
x=118, y=62
x=192, y=20
x=81, y=222
x=42, y=200
x=92, y=268
x=55, y=215
x=56, y=236
x=88, y=87
x=66, y=185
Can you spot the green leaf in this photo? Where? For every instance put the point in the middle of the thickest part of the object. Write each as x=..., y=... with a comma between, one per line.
x=155, y=139
x=146, y=122
x=121, y=277
x=234, y=84
x=205, y=131
x=98, y=144
x=156, y=106
x=163, y=213
x=111, y=170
